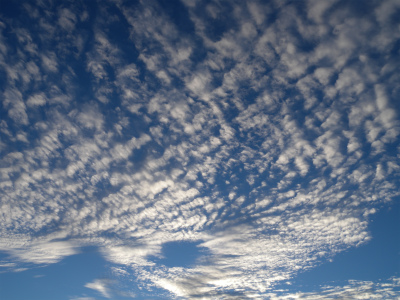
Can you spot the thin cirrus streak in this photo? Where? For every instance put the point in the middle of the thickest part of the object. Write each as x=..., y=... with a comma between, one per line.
x=266, y=132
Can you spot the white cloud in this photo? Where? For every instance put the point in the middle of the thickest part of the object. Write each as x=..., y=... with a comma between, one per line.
x=16, y=107
x=267, y=142
x=43, y=252
x=37, y=100
x=353, y=290
x=102, y=286
x=67, y=19
x=49, y=62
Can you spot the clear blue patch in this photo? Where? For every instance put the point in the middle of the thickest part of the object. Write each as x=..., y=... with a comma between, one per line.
x=180, y=254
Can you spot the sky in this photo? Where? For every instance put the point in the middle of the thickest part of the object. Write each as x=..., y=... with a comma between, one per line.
x=192, y=149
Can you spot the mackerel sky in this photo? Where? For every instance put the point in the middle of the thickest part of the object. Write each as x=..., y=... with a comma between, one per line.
x=190, y=149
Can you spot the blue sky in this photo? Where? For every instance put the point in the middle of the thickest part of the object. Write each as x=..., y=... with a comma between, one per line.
x=199, y=149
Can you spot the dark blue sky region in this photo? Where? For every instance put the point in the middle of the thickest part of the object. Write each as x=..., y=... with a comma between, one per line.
x=52, y=281
x=194, y=149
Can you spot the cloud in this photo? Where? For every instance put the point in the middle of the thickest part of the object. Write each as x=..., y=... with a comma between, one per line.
x=102, y=286
x=49, y=62
x=67, y=19
x=39, y=252
x=15, y=106
x=37, y=100
x=354, y=289
x=263, y=132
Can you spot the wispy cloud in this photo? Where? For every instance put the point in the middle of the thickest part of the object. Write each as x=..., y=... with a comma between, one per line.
x=101, y=286
x=353, y=290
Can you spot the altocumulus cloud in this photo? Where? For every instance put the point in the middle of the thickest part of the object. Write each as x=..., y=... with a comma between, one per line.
x=268, y=133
